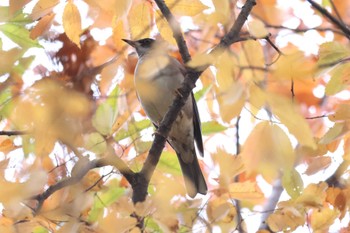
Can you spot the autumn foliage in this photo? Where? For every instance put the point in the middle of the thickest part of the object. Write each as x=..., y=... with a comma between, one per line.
x=274, y=104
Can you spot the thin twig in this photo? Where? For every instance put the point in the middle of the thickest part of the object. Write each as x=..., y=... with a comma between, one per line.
x=13, y=133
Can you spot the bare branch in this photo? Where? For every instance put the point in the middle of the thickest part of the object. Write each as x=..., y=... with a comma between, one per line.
x=13, y=133
x=109, y=160
x=271, y=203
x=331, y=18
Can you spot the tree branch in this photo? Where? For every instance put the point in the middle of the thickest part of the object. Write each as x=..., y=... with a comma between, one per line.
x=331, y=18
x=12, y=133
x=109, y=160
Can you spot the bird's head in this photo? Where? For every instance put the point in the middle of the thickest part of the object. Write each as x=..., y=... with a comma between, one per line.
x=142, y=46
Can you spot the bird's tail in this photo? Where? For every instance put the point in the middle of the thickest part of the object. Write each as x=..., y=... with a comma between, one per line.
x=194, y=179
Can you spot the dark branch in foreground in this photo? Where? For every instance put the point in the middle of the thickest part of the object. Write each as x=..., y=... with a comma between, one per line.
x=331, y=18
x=12, y=133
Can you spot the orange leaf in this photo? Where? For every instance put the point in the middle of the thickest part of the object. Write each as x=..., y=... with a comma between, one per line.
x=43, y=25
x=337, y=198
x=317, y=164
x=42, y=8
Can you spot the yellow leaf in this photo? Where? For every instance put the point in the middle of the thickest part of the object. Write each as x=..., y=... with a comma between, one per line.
x=15, y=191
x=201, y=60
x=257, y=98
x=231, y=101
x=42, y=8
x=294, y=64
x=257, y=28
x=331, y=52
x=268, y=150
x=164, y=28
x=56, y=113
x=322, y=219
x=120, y=7
x=313, y=195
x=221, y=13
x=334, y=133
x=226, y=72
x=140, y=20
x=286, y=218
x=185, y=7
x=252, y=56
x=220, y=210
x=229, y=165
x=339, y=79
x=118, y=35
x=245, y=191
x=72, y=22
x=114, y=223
x=287, y=113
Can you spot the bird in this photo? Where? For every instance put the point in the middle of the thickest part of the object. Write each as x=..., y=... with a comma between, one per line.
x=157, y=77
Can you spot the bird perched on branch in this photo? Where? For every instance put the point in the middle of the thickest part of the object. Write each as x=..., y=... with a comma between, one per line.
x=157, y=78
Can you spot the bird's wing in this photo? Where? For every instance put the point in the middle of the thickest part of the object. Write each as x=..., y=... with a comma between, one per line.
x=197, y=126
x=196, y=119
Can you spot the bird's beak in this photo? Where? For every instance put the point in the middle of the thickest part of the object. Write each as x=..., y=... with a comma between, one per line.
x=130, y=42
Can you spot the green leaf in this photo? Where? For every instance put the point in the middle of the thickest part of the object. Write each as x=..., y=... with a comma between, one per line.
x=326, y=3
x=19, y=35
x=39, y=229
x=105, y=199
x=202, y=92
x=169, y=163
x=151, y=225
x=112, y=100
x=4, y=14
x=293, y=183
x=211, y=127
x=133, y=129
x=332, y=52
x=103, y=118
x=5, y=98
x=24, y=64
